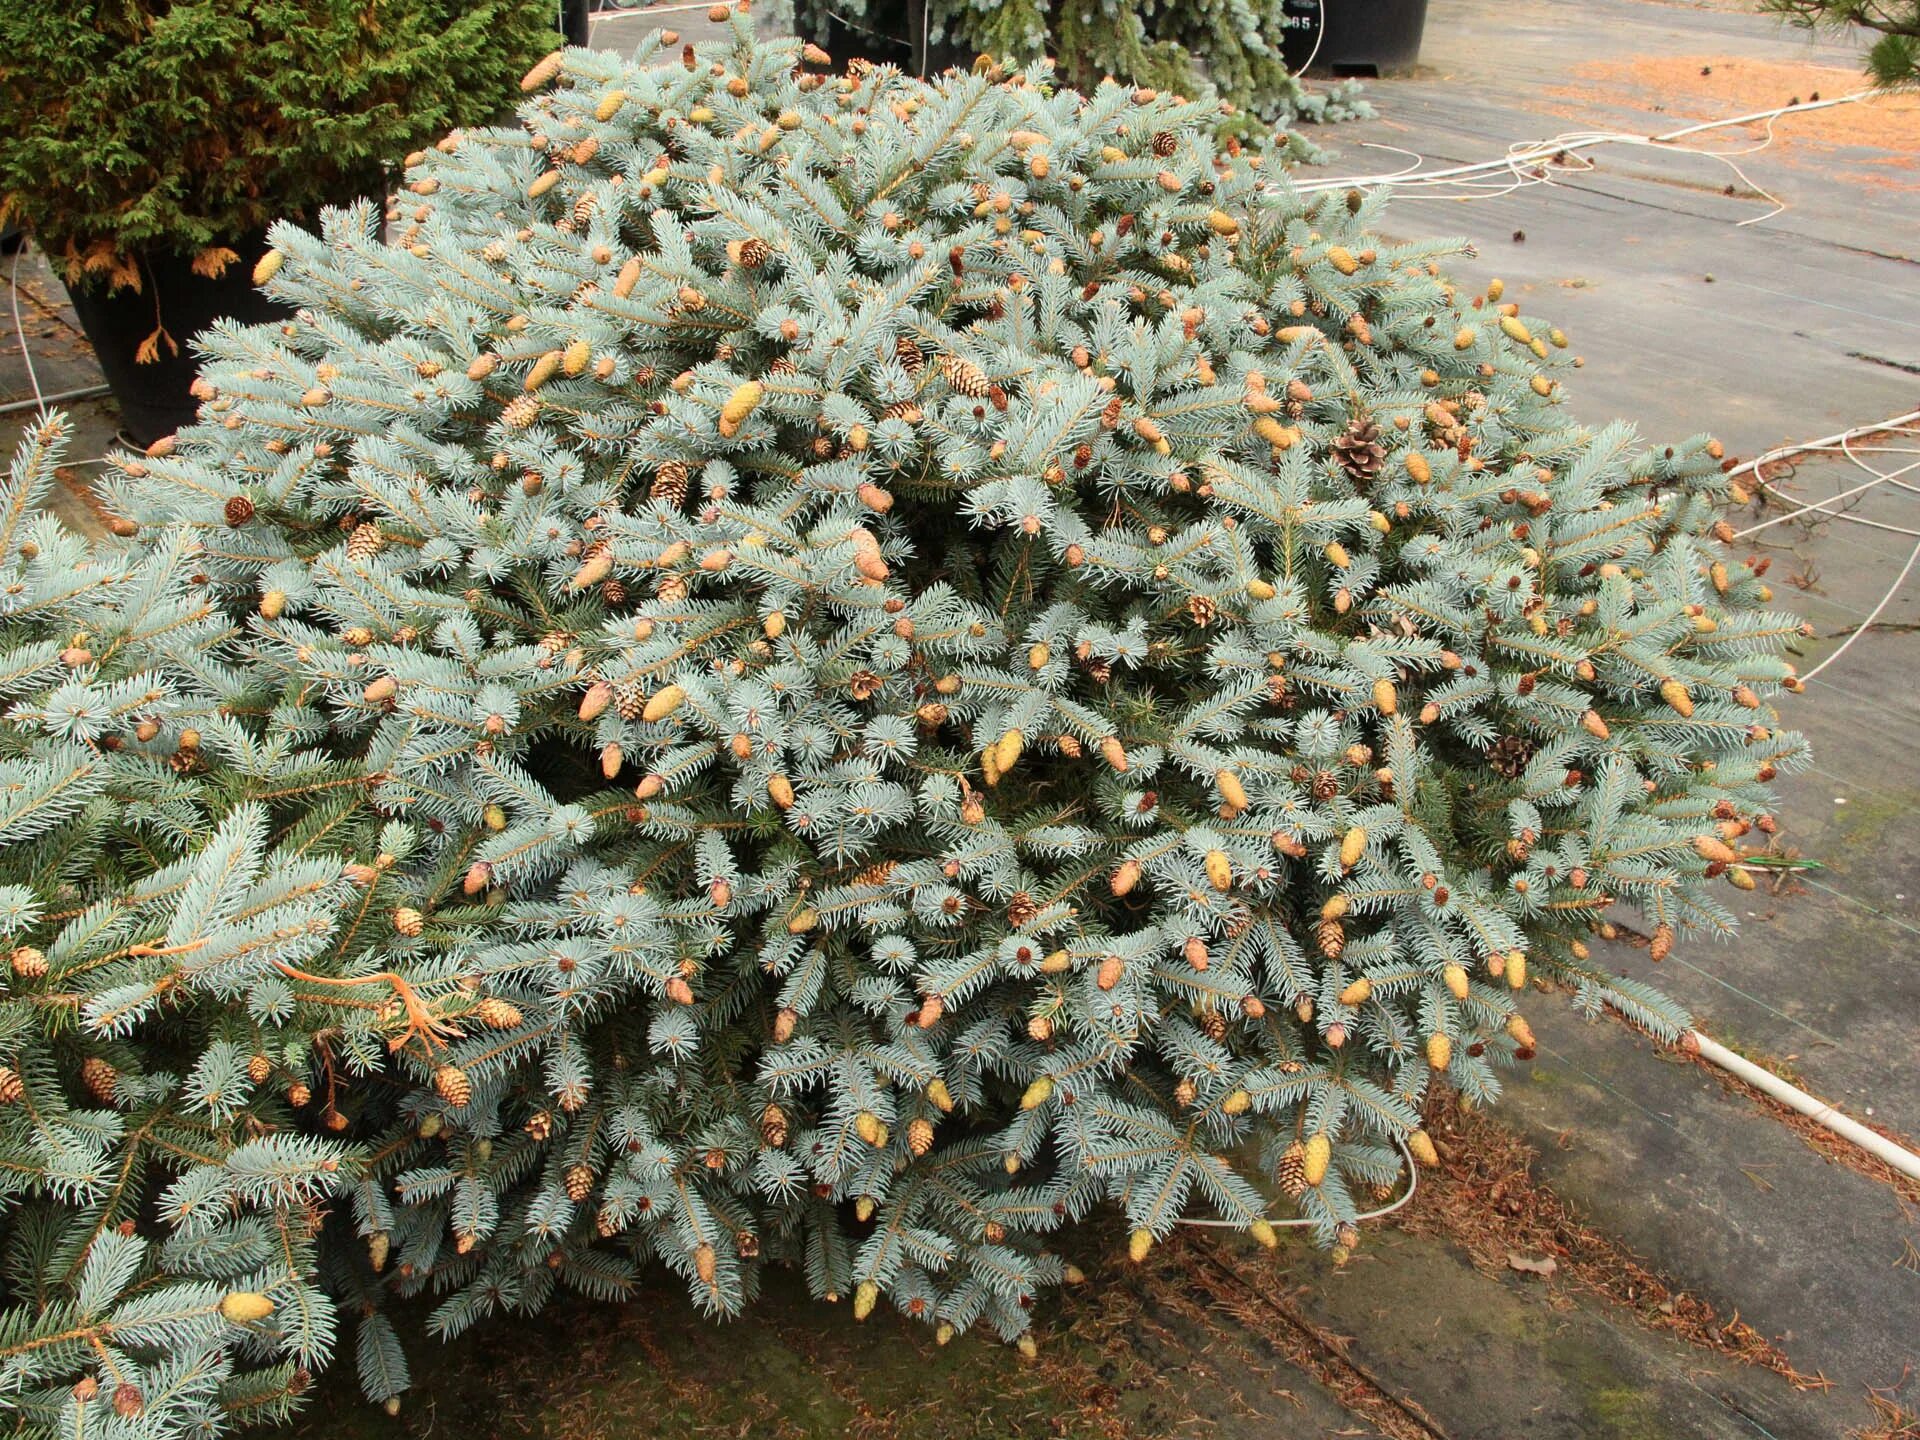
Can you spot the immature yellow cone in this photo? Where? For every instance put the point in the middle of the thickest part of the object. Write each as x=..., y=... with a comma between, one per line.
x=594, y=703
x=1455, y=978
x=609, y=105
x=739, y=406
x=1741, y=879
x=573, y=360
x=1676, y=696
x=1238, y=1102
x=1336, y=906
x=595, y=568
x=1231, y=790
x=1353, y=845
x=705, y=1263
x=1385, y=699
x=1007, y=750
x=869, y=1128
x=1594, y=725
x=1037, y=1093
x=244, y=1307
x=1516, y=970
x=1222, y=223
x=780, y=791
x=379, y=691
x=1319, y=1151
x=1138, y=1244
x=1420, y=1146
x=663, y=702
x=628, y=277
x=803, y=921
x=543, y=370
x=940, y=1096
x=1219, y=870
x=1114, y=753
x=1038, y=656
x=1342, y=259
x=1337, y=556
x=1260, y=590
x=865, y=1296
x=1712, y=848
x=1418, y=470
x=268, y=267
x=1515, y=331
x=1126, y=876
x=1439, y=1050
x=273, y=604
x=541, y=73
x=1357, y=992
x=1521, y=1032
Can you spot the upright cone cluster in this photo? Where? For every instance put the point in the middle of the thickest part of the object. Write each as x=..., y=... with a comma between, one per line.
x=881, y=749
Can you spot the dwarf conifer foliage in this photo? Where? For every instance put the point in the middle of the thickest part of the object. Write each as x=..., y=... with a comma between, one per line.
x=821, y=669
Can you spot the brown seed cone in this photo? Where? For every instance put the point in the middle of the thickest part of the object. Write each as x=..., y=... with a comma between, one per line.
x=540, y=1125
x=239, y=510
x=259, y=1069
x=498, y=1014
x=1359, y=451
x=579, y=1182
x=519, y=412
x=1291, y=1173
x=754, y=252
x=10, y=1087
x=1511, y=754
x=1331, y=938
x=1325, y=785
x=630, y=699
x=908, y=352
x=100, y=1078
x=450, y=1082
x=1214, y=1024
x=1165, y=142
x=365, y=541
x=965, y=377
x=29, y=963
x=773, y=1127
x=670, y=483
x=920, y=1135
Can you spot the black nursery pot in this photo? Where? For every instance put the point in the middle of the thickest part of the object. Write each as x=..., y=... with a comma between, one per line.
x=155, y=399
x=893, y=32
x=1352, y=37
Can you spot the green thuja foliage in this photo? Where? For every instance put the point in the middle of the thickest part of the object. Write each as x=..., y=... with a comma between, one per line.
x=830, y=671
x=183, y=125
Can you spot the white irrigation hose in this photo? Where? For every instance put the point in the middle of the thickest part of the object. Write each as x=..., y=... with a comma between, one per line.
x=1413, y=1184
x=1818, y=1111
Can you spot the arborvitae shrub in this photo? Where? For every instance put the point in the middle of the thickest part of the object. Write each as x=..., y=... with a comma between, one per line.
x=937, y=660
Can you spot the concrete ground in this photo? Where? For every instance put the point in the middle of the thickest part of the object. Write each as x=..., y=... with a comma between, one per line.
x=1663, y=1194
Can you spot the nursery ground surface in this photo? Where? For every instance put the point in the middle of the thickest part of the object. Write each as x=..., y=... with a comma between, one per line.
x=1712, y=1269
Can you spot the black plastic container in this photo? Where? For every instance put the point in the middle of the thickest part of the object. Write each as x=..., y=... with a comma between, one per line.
x=155, y=398
x=1352, y=37
x=892, y=33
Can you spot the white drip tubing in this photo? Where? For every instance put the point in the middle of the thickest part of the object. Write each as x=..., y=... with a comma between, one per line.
x=1818, y=1111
